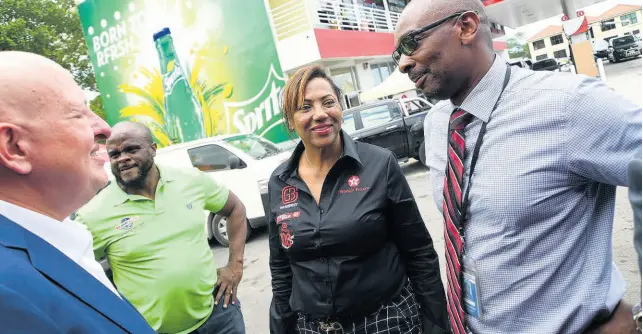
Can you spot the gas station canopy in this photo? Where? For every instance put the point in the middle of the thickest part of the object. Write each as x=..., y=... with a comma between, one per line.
x=517, y=13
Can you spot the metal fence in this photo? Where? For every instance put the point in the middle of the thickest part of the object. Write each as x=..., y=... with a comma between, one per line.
x=296, y=16
x=334, y=14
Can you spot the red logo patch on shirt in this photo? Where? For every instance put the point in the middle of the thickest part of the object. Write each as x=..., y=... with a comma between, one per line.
x=289, y=194
x=353, y=185
x=353, y=181
x=287, y=215
x=287, y=237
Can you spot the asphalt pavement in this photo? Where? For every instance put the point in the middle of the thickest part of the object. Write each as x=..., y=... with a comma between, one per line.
x=255, y=289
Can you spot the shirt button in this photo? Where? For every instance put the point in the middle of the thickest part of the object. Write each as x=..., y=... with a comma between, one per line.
x=321, y=211
x=315, y=230
x=321, y=260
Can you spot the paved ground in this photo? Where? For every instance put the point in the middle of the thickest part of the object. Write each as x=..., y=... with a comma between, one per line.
x=255, y=291
x=625, y=77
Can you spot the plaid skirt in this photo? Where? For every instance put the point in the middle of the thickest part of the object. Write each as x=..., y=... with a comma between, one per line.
x=400, y=316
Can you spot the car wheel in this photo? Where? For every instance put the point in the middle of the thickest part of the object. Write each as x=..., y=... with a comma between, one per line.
x=423, y=153
x=219, y=228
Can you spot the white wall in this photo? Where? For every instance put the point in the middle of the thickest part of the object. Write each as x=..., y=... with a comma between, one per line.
x=298, y=50
x=364, y=76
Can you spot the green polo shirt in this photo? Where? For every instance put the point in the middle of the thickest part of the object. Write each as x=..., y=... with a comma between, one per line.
x=158, y=249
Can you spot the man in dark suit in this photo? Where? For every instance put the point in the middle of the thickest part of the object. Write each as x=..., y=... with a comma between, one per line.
x=49, y=280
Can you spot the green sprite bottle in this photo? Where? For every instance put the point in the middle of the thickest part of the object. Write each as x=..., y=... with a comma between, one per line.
x=183, y=115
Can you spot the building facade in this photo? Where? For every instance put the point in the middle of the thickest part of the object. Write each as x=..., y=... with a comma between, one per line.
x=351, y=39
x=551, y=42
x=618, y=21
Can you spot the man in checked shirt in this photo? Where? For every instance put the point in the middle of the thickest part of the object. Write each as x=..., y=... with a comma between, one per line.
x=529, y=248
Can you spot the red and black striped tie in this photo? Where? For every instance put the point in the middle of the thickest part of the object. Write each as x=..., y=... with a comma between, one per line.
x=453, y=216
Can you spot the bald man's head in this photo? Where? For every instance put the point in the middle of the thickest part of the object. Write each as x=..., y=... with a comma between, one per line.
x=48, y=137
x=128, y=129
x=419, y=13
x=443, y=58
x=131, y=152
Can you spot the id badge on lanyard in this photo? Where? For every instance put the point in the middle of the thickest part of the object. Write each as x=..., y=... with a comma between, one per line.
x=470, y=282
x=471, y=288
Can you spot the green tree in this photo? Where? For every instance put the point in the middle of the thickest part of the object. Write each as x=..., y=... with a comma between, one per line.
x=96, y=105
x=518, y=47
x=48, y=28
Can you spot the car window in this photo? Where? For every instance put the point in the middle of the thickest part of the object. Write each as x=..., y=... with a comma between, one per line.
x=623, y=40
x=376, y=116
x=256, y=147
x=543, y=64
x=210, y=158
x=349, y=123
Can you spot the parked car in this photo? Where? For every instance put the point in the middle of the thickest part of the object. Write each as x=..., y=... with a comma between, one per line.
x=623, y=47
x=548, y=64
x=523, y=63
x=243, y=163
x=600, y=48
x=394, y=124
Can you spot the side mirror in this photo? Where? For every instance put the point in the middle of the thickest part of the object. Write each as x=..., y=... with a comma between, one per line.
x=234, y=162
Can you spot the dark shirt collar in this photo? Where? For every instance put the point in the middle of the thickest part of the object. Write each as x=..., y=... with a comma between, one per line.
x=349, y=148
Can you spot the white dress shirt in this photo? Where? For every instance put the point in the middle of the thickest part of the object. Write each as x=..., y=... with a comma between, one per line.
x=69, y=237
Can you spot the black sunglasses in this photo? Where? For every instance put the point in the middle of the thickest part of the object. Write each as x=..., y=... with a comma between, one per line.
x=410, y=42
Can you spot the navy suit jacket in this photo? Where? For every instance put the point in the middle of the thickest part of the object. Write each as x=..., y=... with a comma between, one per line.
x=43, y=291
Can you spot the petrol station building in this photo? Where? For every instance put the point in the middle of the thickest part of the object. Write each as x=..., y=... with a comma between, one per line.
x=575, y=25
x=351, y=39
x=618, y=21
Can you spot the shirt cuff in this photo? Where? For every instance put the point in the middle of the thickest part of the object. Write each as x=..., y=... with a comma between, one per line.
x=616, y=290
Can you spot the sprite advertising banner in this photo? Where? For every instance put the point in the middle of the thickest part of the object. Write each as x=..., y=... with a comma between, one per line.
x=188, y=69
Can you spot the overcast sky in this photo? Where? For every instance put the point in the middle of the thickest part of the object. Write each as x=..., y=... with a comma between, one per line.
x=593, y=10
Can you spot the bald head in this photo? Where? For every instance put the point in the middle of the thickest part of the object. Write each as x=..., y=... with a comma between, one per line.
x=131, y=130
x=31, y=85
x=48, y=137
x=444, y=46
x=419, y=13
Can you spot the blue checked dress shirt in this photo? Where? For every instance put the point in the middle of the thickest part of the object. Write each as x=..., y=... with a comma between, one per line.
x=542, y=196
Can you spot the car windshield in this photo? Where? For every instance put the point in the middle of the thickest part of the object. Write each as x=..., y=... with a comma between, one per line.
x=256, y=147
x=543, y=64
x=623, y=40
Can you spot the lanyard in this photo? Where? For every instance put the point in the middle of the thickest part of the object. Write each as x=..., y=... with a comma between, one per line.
x=476, y=151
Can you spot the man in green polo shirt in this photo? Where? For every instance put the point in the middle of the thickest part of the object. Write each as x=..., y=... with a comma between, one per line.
x=149, y=224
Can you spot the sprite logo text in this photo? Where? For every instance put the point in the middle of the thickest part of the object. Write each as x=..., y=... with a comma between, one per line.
x=266, y=113
x=170, y=80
